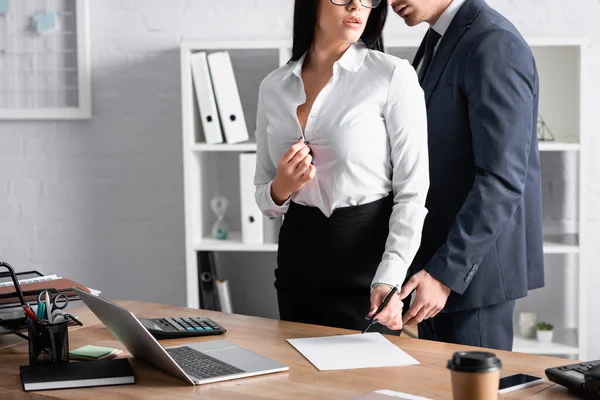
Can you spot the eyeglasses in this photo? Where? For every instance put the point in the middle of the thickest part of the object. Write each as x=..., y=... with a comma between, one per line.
x=365, y=3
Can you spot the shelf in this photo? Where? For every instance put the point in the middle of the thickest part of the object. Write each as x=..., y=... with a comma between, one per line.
x=558, y=146
x=233, y=243
x=250, y=146
x=532, y=346
x=240, y=147
x=561, y=244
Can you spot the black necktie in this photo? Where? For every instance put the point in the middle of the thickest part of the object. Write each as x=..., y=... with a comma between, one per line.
x=430, y=41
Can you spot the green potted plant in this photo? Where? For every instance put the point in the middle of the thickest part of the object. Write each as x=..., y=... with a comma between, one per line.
x=544, y=332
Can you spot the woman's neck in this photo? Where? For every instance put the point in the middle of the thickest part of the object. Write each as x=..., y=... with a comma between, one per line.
x=323, y=54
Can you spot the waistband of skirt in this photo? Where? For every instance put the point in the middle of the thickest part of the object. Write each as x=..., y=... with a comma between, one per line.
x=367, y=211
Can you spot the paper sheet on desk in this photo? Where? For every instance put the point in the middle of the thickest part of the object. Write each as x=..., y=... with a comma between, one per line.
x=352, y=351
x=389, y=395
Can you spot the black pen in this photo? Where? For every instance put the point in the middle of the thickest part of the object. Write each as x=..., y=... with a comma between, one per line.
x=387, y=299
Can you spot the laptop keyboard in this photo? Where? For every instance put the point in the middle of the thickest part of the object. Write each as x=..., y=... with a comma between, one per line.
x=200, y=365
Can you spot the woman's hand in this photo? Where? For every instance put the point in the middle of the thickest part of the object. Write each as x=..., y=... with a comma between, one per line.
x=294, y=170
x=391, y=315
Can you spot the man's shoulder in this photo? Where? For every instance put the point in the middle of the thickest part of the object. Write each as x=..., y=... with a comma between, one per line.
x=490, y=23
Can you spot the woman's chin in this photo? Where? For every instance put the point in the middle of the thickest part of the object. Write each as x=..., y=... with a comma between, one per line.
x=351, y=37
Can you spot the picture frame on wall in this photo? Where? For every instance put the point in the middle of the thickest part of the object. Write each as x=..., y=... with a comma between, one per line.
x=45, y=63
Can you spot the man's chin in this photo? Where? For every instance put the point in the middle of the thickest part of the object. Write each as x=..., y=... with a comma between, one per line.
x=410, y=21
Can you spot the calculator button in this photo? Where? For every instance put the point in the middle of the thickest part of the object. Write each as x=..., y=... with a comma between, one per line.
x=208, y=328
x=199, y=328
x=175, y=324
x=189, y=328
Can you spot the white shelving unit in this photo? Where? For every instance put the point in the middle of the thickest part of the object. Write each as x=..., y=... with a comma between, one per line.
x=210, y=169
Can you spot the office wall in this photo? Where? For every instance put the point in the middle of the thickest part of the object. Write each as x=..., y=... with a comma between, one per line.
x=101, y=201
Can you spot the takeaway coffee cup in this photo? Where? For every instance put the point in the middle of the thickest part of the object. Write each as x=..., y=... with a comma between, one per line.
x=475, y=375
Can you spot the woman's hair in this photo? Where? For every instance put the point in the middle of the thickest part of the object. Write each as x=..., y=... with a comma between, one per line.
x=305, y=22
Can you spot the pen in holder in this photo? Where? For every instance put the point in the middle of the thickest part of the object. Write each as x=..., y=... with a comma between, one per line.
x=48, y=343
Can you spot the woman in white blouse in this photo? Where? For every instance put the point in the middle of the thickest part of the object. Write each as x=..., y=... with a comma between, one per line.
x=342, y=152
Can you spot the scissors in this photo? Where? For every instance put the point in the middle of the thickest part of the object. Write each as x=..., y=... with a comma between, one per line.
x=53, y=307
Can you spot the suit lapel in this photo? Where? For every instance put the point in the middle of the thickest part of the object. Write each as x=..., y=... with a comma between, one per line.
x=459, y=25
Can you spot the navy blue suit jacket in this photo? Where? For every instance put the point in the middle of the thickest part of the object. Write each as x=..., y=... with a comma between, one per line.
x=483, y=233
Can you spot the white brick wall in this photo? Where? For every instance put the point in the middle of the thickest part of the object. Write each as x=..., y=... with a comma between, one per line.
x=102, y=200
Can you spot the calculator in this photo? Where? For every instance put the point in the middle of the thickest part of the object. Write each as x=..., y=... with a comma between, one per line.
x=171, y=328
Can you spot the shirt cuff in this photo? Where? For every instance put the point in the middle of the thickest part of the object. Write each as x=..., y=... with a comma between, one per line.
x=282, y=208
x=389, y=273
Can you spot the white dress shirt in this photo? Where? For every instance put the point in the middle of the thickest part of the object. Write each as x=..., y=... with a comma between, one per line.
x=443, y=22
x=368, y=133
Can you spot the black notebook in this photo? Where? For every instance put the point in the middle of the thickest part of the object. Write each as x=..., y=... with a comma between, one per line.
x=77, y=374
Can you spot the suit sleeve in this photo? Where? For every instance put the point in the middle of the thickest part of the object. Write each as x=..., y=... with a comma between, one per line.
x=500, y=88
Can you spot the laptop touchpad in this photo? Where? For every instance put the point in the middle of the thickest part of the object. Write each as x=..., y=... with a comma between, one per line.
x=243, y=359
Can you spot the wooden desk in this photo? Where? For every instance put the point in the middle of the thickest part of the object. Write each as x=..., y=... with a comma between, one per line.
x=267, y=337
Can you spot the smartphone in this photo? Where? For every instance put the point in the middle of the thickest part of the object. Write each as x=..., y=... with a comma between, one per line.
x=517, y=382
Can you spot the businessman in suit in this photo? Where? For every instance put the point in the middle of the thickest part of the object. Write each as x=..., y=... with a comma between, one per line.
x=481, y=247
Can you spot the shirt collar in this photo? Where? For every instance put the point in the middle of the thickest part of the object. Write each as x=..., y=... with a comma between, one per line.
x=443, y=22
x=351, y=60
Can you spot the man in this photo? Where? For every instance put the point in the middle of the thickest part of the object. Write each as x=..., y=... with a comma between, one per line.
x=482, y=241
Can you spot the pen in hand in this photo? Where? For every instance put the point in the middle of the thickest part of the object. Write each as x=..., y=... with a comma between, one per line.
x=386, y=300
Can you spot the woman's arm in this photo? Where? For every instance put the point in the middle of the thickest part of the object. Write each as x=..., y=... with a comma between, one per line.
x=265, y=168
x=406, y=120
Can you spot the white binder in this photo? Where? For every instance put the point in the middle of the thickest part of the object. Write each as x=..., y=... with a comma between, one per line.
x=224, y=296
x=228, y=97
x=252, y=217
x=206, y=99
x=271, y=227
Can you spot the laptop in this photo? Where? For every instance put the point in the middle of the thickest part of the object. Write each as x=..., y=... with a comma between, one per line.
x=196, y=363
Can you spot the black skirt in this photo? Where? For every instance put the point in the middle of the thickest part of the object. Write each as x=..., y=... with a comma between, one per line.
x=325, y=266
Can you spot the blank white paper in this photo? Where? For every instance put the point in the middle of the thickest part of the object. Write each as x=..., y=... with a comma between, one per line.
x=367, y=350
x=389, y=395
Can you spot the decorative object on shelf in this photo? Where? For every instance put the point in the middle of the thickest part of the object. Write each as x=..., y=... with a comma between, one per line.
x=543, y=132
x=528, y=325
x=544, y=332
x=220, y=229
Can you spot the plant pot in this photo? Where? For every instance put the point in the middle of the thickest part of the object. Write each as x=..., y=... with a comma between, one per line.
x=544, y=336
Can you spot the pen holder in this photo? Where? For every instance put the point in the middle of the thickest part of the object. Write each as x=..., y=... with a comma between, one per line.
x=48, y=343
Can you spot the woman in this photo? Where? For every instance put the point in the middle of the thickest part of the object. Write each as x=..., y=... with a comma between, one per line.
x=342, y=152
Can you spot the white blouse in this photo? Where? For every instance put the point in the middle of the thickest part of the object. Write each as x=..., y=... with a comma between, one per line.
x=368, y=133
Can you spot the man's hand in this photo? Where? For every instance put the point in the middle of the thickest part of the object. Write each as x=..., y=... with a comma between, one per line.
x=391, y=315
x=430, y=299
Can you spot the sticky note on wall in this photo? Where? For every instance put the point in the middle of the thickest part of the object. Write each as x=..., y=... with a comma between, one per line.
x=46, y=23
x=3, y=6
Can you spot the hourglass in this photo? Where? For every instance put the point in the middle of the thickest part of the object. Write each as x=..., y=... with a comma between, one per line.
x=220, y=229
